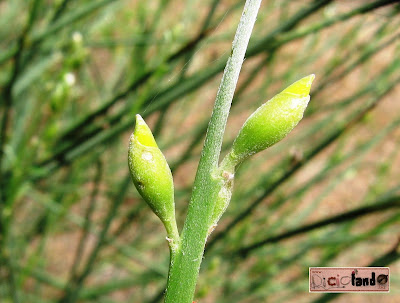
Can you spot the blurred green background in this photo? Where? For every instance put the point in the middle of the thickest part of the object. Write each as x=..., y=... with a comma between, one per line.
x=74, y=73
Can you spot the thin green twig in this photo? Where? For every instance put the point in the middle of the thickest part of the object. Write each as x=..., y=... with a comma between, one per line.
x=185, y=264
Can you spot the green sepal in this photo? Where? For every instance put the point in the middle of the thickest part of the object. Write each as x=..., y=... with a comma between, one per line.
x=272, y=121
x=151, y=174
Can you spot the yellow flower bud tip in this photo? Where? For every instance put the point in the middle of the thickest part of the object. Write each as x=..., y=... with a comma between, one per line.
x=302, y=87
x=143, y=134
x=272, y=121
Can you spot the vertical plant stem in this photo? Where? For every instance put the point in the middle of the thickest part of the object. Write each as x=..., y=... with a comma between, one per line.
x=185, y=264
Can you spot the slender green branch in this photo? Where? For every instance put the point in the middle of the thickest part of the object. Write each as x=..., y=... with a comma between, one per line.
x=378, y=206
x=186, y=263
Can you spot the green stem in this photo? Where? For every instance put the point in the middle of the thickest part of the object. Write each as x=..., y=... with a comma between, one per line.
x=172, y=235
x=185, y=264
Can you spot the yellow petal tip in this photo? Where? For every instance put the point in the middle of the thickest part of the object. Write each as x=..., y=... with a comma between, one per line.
x=143, y=133
x=302, y=87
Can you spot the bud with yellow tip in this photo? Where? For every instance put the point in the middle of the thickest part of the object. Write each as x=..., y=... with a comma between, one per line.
x=271, y=122
x=152, y=176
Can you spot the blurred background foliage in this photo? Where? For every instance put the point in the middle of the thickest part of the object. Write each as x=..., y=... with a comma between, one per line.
x=74, y=73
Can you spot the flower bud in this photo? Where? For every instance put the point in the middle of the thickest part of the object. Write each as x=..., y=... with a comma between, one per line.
x=272, y=121
x=151, y=174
